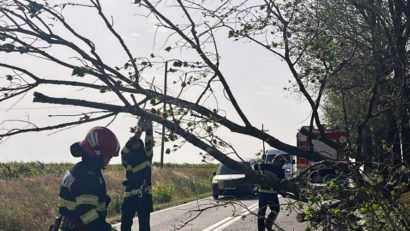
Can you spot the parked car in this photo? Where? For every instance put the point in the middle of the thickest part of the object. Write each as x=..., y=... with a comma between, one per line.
x=230, y=182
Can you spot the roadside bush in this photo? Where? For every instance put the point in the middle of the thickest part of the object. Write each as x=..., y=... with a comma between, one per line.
x=17, y=169
x=114, y=208
x=162, y=193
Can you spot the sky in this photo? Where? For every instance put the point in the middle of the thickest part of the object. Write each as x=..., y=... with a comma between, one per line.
x=256, y=78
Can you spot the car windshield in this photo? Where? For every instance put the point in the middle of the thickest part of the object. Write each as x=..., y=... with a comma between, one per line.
x=269, y=158
x=223, y=170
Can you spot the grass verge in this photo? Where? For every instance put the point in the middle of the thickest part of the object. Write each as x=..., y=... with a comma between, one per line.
x=28, y=194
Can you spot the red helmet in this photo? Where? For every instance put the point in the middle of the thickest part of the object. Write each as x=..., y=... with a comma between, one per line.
x=101, y=141
x=279, y=159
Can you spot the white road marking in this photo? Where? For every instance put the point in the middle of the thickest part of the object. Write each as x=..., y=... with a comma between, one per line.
x=230, y=220
x=117, y=225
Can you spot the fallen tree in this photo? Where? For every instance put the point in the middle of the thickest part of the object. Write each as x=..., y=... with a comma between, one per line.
x=320, y=49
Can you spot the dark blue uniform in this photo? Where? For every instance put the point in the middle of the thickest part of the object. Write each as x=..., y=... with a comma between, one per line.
x=268, y=197
x=137, y=196
x=83, y=199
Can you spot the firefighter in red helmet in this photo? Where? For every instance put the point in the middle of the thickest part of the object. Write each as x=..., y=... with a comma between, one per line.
x=83, y=198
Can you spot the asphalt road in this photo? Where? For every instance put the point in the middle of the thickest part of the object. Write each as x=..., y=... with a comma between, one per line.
x=208, y=215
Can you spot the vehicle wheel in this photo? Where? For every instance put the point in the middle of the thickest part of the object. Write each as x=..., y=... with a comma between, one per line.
x=215, y=192
x=328, y=177
x=314, y=177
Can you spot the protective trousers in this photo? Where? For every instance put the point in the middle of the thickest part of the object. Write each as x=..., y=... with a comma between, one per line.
x=136, y=204
x=265, y=200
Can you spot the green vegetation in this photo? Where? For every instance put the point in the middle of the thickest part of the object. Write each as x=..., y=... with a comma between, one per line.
x=18, y=169
x=15, y=169
x=28, y=191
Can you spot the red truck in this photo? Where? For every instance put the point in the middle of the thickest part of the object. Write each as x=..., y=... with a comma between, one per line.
x=337, y=135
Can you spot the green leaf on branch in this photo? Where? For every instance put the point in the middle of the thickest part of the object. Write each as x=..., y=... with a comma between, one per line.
x=177, y=63
x=23, y=49
x=363, y=210
x=103, y=89
x=8, y=47
x=79, y=71
x=231, y=34
x=34, y=7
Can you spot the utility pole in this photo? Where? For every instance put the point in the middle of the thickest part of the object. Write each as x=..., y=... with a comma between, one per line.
x=263, y=146
x=165, y=109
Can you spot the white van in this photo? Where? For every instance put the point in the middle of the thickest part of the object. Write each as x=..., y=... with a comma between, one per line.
x=288, y=166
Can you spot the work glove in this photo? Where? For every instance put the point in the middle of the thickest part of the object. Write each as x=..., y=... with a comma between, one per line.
x=144, y=124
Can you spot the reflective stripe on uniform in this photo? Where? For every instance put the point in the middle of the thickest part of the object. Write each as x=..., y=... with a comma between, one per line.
x=271, y=190
x=132, y=192
x=125, y=150
x=137, y=192
x=87, y=199
x=101, y=207
x=63, y=203
x=89, y=217
x=138, y=167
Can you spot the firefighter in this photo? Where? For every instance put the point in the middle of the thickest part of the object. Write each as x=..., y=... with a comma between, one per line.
x=268, y=197
x=137, y=159
x=83, y=198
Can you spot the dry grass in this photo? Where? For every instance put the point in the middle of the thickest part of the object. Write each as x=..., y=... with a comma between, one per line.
x=191, y=181
x=405, y=199
x=29, y=203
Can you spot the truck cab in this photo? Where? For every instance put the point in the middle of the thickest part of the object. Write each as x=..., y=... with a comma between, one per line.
x=338, y=136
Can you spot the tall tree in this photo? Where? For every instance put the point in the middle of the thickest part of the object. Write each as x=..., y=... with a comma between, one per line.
x=322, y=42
